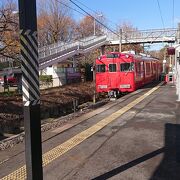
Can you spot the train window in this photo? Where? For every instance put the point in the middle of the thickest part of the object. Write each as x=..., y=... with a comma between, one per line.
x=142, y=66
x=127, y=67
x=112, y=67
x=138, y=67
x=112, y=56
x=100, y=68
x=148, y=68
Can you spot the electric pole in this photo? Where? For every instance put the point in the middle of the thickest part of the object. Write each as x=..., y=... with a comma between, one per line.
x=120, y=40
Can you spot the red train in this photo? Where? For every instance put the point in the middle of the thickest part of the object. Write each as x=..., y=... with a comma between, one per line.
x=122, y=72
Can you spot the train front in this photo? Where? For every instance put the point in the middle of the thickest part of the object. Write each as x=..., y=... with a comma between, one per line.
x=107, y=74
x=115, y=74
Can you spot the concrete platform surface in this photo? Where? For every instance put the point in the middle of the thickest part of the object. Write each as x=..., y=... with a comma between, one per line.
x=141, y=141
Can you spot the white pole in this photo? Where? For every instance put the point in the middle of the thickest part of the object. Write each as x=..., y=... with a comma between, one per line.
x=94, y=26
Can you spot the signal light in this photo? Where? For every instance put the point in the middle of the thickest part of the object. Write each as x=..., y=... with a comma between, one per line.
x=171, y=50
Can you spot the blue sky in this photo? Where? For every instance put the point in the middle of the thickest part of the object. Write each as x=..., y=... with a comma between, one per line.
x=143, y=14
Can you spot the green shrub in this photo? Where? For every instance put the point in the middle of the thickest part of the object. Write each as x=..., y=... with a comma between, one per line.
x=45, y=78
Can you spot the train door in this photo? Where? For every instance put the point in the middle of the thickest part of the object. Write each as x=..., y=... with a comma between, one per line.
x=127, y=81
x=153, y=70
x=147, y=72
x=138, y=75
x=113, y=75
x=156, y=71
x=101, y=78
x=142, y=72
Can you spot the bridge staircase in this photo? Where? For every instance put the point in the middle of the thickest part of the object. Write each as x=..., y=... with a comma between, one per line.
x=58, y=52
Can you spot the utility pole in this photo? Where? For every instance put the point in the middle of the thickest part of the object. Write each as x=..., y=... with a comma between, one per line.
x=178, y=65
x=94, y=23
x=120, y=40
x=93, y=69
x=94, y=26
x=30, y=88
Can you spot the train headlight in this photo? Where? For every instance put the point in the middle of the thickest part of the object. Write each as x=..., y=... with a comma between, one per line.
x=125, y=86
x=102, y=86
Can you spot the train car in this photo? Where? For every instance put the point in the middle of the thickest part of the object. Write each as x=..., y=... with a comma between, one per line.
x=122, y=72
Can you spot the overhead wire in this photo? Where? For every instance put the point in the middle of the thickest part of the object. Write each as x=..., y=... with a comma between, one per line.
x=70, y=7
x=86, y=6
x=94, y=18
x=99, y=21
x=160, y=13
x=162, y=20
x=95, y=12
x=85, y=14
x=173, y=14
x=90, y=16
x=162, y=24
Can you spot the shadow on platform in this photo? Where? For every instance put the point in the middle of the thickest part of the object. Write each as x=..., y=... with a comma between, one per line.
x=2, y=137
x=169, y=167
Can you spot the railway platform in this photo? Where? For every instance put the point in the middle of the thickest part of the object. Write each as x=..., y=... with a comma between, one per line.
x=136, y=137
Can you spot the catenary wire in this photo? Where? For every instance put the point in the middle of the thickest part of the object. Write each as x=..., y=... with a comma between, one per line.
x=70, y=7
x=95, y=12
x=160, y=13
x=173, y=14
x=99, y=21
x=94, y=18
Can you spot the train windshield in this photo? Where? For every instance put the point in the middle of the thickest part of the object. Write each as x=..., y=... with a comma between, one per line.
x=126, y=67
x=112, y=67
x=100, y=68
x=112, y=56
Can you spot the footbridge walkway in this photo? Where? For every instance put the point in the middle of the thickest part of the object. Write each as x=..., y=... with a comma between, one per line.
x=58, y=52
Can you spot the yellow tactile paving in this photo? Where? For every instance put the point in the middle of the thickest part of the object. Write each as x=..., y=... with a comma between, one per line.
x=56, y=152
x=19, y=174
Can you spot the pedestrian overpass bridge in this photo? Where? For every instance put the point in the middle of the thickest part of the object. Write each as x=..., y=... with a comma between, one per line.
x=58, y=52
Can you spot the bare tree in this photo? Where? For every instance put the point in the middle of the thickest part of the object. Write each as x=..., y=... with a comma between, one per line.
x=9, y=37
x=129, y=31
x=161, y=54
x=90, y=25
x=54, y=22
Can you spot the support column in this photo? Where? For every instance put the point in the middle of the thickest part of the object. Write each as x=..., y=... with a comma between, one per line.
x=94, y=82
x=102, y=51
x=74, y=61
x=120, y=40
x=178, y=64
x=178, y=74
x=94, y=24
x=30, y=88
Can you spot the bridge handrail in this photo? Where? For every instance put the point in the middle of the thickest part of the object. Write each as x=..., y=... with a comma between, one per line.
x=144, y=34
x=73, y=46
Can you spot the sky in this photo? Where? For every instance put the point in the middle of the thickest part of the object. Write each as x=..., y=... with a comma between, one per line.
x=142, y=14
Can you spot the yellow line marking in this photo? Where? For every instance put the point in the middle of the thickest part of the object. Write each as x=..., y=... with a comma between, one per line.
x=77, y=139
